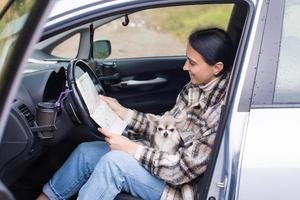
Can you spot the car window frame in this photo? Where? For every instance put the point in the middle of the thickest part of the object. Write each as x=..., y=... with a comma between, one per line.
x=238, y=62
x=226, y=113
x=265, y=77
x=112, y=11
x=247, y=91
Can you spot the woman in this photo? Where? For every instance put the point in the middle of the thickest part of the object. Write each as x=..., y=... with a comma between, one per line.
x=100, y=170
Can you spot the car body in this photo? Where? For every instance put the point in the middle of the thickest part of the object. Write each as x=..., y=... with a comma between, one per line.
x=256, y=153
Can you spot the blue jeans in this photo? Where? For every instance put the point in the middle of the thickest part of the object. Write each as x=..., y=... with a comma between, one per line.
x=99, y=173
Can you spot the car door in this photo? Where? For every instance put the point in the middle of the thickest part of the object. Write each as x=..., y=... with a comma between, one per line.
x=141, y=81
x=271, y=149
x=259, y=155
x=15, y=43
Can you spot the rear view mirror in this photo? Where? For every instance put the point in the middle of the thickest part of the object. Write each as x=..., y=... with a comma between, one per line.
x=102, y=49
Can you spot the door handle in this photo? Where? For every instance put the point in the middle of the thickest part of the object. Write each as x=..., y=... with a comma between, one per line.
x=139, y=83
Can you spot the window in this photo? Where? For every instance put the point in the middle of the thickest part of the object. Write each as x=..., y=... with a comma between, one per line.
x=287, y=88
x=161, y=31
x=68, y=48
x=11, y=24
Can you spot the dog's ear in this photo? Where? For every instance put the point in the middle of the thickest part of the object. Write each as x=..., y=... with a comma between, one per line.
x=153, y=118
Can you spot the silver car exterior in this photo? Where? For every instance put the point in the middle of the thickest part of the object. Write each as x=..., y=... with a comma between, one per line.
x=259, y=142
x=259, y=157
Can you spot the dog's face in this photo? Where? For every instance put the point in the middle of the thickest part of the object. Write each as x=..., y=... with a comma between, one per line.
x=166, y=136
x=166, y=127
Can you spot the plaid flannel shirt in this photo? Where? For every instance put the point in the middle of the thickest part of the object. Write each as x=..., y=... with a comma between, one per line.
x=202, y=106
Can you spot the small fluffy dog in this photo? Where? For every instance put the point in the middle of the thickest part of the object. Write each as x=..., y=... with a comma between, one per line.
x=166, y=137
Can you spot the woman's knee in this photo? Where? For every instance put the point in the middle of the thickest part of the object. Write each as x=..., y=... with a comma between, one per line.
x=90, y=152
x=83, y=148
x=119, y=159
x=91, y=147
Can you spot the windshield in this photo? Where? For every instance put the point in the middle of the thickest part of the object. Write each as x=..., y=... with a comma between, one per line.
x=11, y=24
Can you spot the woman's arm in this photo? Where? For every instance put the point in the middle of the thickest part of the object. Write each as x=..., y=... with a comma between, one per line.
x=138, y=123
x=115, y=106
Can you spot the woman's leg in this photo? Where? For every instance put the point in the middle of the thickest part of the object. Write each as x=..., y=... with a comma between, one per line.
x=75, y=171
x=118, y=171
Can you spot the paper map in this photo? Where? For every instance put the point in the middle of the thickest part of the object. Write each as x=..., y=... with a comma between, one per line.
x=99, y=111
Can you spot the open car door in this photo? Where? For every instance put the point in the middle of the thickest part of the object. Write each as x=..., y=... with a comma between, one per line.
x=16, y=40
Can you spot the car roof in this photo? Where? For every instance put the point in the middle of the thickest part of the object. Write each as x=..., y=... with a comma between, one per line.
x=64, y=9
x=64, y=6
x=68, y=12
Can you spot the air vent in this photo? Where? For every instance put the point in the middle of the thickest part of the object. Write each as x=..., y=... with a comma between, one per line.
x=27, y=114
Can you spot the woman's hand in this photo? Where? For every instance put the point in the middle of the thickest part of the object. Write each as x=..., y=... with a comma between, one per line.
x=119, y=142
x=115, y=106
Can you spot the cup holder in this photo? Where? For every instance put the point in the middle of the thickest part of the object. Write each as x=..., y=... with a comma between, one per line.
x=46, y=113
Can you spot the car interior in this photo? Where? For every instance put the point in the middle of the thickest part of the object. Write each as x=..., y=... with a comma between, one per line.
x=36, y=144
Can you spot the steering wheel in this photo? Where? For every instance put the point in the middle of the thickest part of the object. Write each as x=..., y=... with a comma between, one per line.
x=76, y=67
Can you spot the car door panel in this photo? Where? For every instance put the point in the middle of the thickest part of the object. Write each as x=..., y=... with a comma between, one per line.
x=142, y=80
x=269, y=157
x=266, y=158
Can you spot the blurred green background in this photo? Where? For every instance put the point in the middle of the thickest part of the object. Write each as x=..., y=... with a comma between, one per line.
x=2, y=3
x=180, y=21
x=12, y=22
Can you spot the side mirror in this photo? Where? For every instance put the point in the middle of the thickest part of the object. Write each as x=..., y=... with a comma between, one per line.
x=102, y=49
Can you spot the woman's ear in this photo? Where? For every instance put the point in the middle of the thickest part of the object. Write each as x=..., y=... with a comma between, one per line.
x=217, y=68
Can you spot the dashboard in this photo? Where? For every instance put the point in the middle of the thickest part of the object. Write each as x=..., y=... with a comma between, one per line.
x=22, y=142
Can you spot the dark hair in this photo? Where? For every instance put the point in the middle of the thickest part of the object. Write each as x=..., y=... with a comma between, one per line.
x=214, y=45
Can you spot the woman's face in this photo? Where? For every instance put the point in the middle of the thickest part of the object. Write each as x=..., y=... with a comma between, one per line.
x=200, y=72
